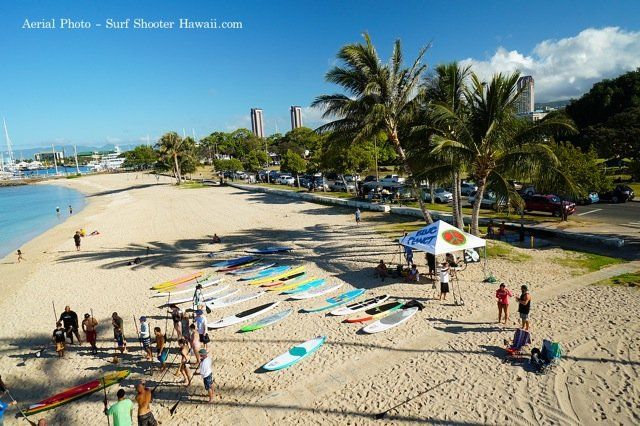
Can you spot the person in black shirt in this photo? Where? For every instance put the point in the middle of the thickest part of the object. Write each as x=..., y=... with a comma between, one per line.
x=76, y=239
x=59, y=338
x=70, y=321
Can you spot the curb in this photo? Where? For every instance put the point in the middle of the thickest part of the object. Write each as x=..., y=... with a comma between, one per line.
x=414, y=212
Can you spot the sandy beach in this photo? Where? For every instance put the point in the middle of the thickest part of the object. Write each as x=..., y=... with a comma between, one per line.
x=449, y=360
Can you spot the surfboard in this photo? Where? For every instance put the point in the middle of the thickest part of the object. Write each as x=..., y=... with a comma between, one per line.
x=267, y=272
x=242, y=316
x=315, y=292
x=377, y=312
x=210, y=295
x=288, y=280
x=336, y=301
x=266, y=321
x=256, y=268
x=359, y=306
x=269, y=250
x=240, y=266
x=228, y=301
x=290, y=286
x=234, y=262
x=183, y=279
x=289, y=273
x=306, y=287
x=191, y=288
x=390, y=321
x=295, y=354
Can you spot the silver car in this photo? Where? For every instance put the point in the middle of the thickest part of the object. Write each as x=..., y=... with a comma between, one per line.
x=440, y=195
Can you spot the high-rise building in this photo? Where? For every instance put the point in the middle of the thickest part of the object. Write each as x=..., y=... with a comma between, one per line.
x=257, y=122
x=525, y=103
x=296, y=117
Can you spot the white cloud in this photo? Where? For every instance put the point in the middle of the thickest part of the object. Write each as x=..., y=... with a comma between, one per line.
x=568, y=67
x=312, y=117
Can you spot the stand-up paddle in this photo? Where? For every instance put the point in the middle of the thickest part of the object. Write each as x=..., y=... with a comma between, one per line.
x=172, y=410
x=166, y=320
x=55, y=315
x=104, y=388
x=3, y=389
x=384, y=413
x=137, y=332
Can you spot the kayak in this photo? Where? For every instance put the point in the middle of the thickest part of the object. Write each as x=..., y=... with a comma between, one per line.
x=269, y=250
x=76, y=392
x=267, y=272
x=359, y=306
x=183, y=279
x=305, y=287
x=191, y=288
x=256, y=268
x=234, y=262
x=295, y=354
x=337, y=301
x=286, y=274
x=315, y=292
x=377, y=312
x=266, y=321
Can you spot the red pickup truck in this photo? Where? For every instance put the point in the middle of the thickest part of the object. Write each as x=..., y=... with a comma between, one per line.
x=549, y=203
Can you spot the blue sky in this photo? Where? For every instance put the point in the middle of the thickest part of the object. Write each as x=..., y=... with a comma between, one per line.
x=98, y=86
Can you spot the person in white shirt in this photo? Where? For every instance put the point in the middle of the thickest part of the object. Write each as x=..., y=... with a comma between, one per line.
x=206, y=371
x=201, y=326
x=198, y=298
x=444, y=280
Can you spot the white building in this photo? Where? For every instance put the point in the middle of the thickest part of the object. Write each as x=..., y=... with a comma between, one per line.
x=257, y=122
x=525, y=102
x=296, y=117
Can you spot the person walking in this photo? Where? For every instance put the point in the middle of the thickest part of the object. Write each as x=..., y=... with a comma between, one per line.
x=162, y=352
x=70, y=321
x=89, y=325
x=444, y=280
x=59, y=338
x=183, y=347
x=143, y=398
x=122, y=411
x=358, y=216
x=20, y=258
x=206, y=371
x=145, y=337
x=76, y=239
x=503, y=294
x=524, y=306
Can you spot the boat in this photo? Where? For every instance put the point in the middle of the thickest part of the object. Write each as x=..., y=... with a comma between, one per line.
x=77, y=392
x=266, y=321
x=269, y=250
x=318, y=291
x=180, y=280
x=359, y=306
x=295, y=354
x=390, y=321
x=242, y=316
x=377, y=312
x=257, y=268
x=337, y=301
x=234, y=262
x=190, y=288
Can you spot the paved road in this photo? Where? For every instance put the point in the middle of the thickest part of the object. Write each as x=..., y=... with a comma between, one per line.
x=626, y=214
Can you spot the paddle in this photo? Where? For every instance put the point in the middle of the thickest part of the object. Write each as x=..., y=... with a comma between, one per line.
x=137, y=332
x=384, y=413
x=166, y=320
x=3, y=388
x=104, y=388
x=55, y=315
x=172, y=410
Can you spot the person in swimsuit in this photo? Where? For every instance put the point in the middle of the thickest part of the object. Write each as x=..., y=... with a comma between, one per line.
x=184, y=360
x=121, y=343
x=20, y=258
x=503, y=294
x=143, y=398
x=161, y=352
x=524, y=306
x=176, y=316
x=414, y=275
x=194, y=337
x=89, y=325
x=116, y=322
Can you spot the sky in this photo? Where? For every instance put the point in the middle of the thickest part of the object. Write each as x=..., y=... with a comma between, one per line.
x=101, y=85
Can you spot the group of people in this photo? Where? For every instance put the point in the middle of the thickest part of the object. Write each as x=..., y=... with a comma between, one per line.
x=524, y=304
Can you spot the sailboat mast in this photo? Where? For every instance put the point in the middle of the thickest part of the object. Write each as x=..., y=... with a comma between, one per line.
x=8, y=139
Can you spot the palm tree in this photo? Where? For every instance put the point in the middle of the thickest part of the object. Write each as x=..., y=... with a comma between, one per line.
x=380, y=97
x=493, y=142
x=173, y=150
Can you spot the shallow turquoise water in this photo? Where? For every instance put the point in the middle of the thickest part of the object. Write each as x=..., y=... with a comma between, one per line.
x=29, y=210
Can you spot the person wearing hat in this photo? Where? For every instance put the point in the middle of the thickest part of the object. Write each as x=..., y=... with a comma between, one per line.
x=201, y=326
x=198, y=298
x=206, y=371
x=145, y=337
x=444, y=280
x=89, y=324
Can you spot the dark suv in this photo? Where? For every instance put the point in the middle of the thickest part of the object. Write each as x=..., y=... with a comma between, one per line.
x=619, y=194
x=549, y=203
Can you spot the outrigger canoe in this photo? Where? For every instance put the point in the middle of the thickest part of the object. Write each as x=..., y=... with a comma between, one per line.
x=76, y=392
x=183, y=279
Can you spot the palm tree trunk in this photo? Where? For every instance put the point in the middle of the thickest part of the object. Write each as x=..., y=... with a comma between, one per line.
x=457, y=200
x=475, y=213
x=407, y=169
x=178, y=176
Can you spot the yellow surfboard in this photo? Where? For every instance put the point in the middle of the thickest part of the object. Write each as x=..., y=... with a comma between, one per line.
x=277, y=277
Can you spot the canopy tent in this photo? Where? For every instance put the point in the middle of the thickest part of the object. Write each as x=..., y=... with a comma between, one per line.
x=441, y=238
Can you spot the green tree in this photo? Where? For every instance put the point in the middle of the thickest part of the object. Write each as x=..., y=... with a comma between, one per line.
x=142, y=156
x=493, y=143
x=299, y=140
x=292, y=162
x=380, y=97
x=254, y=160
x=176, y=153
x=584, y=168
x=232, y=164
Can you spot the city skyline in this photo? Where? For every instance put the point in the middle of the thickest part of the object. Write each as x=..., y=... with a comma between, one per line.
x=99, y=86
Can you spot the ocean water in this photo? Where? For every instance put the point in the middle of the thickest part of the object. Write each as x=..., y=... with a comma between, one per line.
x=27, y=211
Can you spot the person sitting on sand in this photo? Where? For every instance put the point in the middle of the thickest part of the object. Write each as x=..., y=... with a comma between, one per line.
x=143, y=398
x=444, y=280
x=161, y=353
x=122, y=411
x=89, y=325
x=414, y=275
x=215, y=239
x=59, y=337
x=503, y=294
x=206, y=371
x=381, y=270
x=145, y=337
x=184, y=360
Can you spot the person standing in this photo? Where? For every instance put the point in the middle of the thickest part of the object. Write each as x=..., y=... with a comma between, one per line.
x=3, y=408
x=183, y=347
x=198, y=298
x=76, y=240
x=524, y=306
x=145, y=337
x=176, y=316
x=358, y=216
x=117, y=323
x=89, y=325
x=206, y=371
x=444, y=280
x=194, y=339
x=122, y=411
x=143, y=398
x=503, y=294
x=59, y=338
x=20, y=258
x=161, y=352
x=70, y=321
x=502, y=231
x=70, y=209
x=431, y=263
x=408, y=255
x=201, y=326
x=58, y=210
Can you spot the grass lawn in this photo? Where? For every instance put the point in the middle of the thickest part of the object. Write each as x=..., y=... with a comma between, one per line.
x=627, y=280
x=192, y=185
x=587, y=262
x=501, y=250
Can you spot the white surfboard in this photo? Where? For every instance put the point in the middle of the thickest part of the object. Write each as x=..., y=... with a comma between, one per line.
x=295, y=354
x=242, y=316
x=191, y=287
x=266, y=321
x=214, y=294
x=228, y=301
x=259, y=267
x=390, y=321
x=315, y=292
x=359, y=306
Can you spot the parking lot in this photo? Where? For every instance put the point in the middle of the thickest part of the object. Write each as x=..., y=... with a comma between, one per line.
x=625, y=214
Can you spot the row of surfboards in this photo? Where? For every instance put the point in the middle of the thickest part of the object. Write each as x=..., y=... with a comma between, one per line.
x=290, y=281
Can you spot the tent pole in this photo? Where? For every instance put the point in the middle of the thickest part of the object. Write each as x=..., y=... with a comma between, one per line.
x=484, y=267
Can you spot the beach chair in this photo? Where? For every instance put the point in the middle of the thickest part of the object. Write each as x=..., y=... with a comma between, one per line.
x=521, y=339
x=543, y=359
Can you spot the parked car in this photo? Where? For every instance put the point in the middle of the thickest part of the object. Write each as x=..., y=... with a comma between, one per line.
x=489, y=200
x=527, y=190
x=619, y=194
x=467, y=188
x=286, y=180
x=273, y=176
x=370, y=178
x=392, y=178
x=590, y=198
x=549, y=203
x=340, y=186
x=440, y=195
x=320, y=183
x=352, y=178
